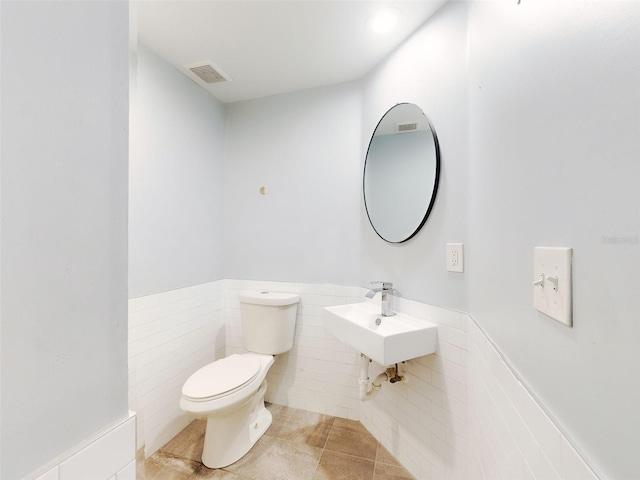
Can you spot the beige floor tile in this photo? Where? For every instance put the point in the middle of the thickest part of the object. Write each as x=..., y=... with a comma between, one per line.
x=303, y=417
x=299, y=445
x=384, y=456
x=307, y=428
x=314, y=436
x=189, y=442
x=279, y=409
x=335, y=466
x=351, y=438
x=352, y=425
x=280, y=415
x=279, y=460
x=258, y=451
x=165, y=466
x=391, y=472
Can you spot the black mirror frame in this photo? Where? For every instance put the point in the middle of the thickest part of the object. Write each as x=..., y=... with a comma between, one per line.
x=435, y=183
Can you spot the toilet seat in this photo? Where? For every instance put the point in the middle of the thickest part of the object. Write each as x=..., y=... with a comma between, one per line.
x=221, y=378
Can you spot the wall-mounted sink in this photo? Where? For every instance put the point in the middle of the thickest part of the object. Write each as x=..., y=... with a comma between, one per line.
x=387, y=340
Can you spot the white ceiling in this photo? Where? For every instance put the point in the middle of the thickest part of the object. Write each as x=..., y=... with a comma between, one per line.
x=268, y=47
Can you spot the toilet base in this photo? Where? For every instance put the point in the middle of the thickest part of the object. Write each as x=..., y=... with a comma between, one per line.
x=261, y=425
x=231, y=434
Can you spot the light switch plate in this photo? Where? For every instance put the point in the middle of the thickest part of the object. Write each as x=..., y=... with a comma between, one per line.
x=552, y=283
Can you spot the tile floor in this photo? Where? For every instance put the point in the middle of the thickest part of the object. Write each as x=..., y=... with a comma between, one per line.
x=299, y=445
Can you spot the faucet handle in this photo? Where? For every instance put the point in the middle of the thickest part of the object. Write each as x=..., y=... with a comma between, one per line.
x=385, y=285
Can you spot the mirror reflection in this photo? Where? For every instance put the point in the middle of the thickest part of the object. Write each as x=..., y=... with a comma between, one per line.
x=401, y=173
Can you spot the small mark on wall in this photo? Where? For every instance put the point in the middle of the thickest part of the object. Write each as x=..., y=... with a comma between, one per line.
x=263, y=190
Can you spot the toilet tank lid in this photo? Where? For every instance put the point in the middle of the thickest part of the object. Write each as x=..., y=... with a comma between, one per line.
x=268, y=298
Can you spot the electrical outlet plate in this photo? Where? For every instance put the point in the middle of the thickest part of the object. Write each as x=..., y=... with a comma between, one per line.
x=552, y=283
x=455, y=257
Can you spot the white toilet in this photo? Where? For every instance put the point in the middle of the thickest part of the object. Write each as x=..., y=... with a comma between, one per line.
x=229, y=392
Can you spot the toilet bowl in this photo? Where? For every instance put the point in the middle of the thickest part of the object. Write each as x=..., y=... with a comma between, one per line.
x=230, y=392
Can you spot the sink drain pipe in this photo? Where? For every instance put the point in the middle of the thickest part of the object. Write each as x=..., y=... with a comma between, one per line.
x=369, y=389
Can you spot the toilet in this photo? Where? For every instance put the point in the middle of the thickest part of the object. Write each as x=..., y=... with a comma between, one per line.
x=229, y=392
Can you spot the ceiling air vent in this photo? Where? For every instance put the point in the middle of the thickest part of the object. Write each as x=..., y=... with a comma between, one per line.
x=206, y=72
x=406, y=127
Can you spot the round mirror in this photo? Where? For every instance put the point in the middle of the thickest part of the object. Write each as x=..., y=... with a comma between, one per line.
x=401, y=173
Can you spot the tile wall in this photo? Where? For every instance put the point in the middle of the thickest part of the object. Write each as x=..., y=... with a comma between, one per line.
x=461, y=415
x=424, y=422
x=512, y=438
x=108, y=456
x=319, y=374
x=171, y=335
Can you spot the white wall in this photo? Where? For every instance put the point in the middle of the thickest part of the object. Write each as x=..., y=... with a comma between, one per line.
x=175, y=187
x=64, y=227
x=303, y=147
x=554, y=95
x=430, y=70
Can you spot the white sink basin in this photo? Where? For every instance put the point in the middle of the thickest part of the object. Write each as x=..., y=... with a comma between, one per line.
x=397, y=338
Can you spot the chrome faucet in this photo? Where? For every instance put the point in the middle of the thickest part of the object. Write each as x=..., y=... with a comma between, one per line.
x=386, y=295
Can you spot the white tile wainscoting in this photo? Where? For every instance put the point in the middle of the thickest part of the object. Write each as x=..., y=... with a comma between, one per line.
x=110, y=455
x=511, y=437
x=423, y=423
x=449, y=421
x=171, y=335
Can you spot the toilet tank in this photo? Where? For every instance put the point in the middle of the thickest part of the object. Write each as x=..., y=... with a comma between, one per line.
x=268, y=321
